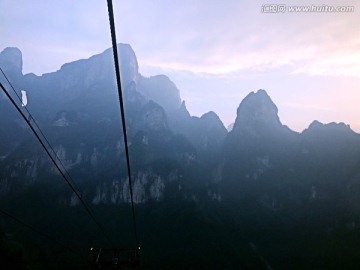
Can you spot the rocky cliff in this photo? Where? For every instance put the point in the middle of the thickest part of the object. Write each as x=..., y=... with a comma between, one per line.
x=77, y=109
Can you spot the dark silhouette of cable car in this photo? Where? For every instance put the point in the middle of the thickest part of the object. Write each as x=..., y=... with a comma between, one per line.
x=113, y=258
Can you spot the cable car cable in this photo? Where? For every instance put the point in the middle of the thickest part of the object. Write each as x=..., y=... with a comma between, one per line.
x=57, y=166
x=31, y=117
x=122, y=111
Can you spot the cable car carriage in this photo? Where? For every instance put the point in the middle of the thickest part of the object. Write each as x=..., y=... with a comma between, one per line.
x=114, y=258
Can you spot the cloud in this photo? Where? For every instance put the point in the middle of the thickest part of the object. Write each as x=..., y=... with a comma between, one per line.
x=246, y=39
x=200, y=36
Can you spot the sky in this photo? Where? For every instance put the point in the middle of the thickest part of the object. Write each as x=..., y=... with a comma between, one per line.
x=216, y=51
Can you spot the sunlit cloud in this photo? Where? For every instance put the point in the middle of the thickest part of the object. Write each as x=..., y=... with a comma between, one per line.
x=314, y=44
x=299, y=60
x=337, y=65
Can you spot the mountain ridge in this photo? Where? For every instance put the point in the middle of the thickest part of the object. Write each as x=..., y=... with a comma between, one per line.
x=128, y=62
x=82, y=118
x=205, y=198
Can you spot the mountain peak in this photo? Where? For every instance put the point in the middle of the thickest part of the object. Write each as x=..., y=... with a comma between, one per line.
x=333, y=128
x=211, y=116
x=162, y=90
x=257, y=110
x=100, y=66
x=11, y=60
x=213, y=121
x=128, y=63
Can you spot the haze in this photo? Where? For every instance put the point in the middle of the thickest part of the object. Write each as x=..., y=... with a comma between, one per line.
x=215, y=51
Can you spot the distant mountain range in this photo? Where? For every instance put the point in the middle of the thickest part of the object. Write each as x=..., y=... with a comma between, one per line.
x=261, y=171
